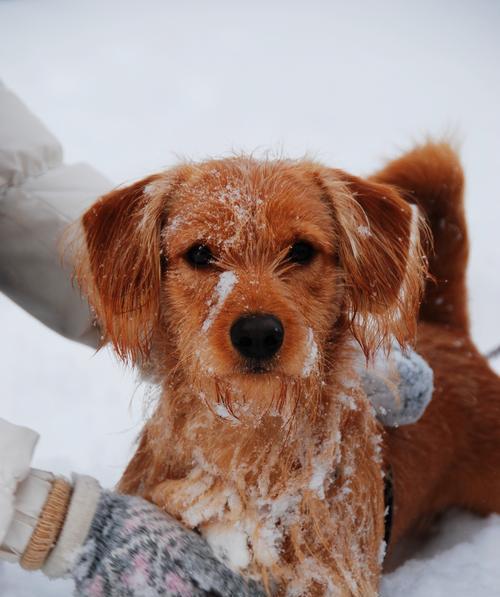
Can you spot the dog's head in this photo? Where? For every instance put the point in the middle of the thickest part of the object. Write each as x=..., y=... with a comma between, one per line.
x=237, y=269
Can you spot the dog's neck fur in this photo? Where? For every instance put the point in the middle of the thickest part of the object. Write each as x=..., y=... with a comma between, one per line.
x=306, y=446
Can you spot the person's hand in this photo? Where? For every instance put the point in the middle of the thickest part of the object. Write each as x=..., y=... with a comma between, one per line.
x=399, y=385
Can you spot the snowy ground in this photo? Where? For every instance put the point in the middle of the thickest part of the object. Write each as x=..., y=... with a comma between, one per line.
x=128, y=86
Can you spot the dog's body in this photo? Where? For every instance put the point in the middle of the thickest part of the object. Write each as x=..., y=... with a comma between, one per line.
x=451, y=457
x=262, y=438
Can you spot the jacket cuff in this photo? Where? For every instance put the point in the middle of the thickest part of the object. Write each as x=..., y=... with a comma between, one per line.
x=82, y=509
x=30, y=499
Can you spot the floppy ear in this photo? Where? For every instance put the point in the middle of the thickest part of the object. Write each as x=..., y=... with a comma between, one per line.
x=119, y=268
x=379, y=248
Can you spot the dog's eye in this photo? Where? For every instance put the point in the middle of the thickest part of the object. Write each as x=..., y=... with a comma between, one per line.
x=301, y=252
x=199, y=256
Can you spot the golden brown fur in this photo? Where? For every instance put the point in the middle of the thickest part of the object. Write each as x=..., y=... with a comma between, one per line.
x=226, y=447
x=451, y=456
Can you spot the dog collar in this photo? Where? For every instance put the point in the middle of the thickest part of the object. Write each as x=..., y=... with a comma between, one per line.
x=389, y=505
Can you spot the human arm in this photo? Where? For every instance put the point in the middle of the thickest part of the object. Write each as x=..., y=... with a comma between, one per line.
x=39, y=197
x=111, y=545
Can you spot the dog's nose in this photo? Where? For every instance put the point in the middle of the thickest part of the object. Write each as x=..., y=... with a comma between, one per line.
x=257, y=336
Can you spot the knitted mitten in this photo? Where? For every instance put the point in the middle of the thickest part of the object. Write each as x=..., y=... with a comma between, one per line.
x=399, y=385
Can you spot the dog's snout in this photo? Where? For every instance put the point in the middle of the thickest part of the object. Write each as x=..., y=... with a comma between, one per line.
x=257, y=336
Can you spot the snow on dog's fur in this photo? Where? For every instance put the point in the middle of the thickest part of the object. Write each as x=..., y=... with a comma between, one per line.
x=278, y=465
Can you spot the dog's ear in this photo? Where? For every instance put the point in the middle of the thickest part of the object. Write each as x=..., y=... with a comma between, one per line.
x=379, y=250
x=120, y=265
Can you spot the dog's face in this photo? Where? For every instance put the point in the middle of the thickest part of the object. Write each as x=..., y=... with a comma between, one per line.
x=244, y=272
x=252, y=285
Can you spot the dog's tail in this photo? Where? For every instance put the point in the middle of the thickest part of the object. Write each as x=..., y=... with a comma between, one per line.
x=431, y=176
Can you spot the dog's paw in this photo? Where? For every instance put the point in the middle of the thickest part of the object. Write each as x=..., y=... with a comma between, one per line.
x=196, y=499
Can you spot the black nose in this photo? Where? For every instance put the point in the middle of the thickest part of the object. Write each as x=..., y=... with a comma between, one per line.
x=257, y=336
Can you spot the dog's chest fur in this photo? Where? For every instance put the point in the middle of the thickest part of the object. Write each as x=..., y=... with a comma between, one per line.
x=274, y=500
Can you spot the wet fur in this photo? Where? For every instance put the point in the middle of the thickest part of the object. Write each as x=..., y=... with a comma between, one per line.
x=365, y=283
x=451, y=456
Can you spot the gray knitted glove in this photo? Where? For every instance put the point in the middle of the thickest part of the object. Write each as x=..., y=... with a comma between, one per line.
x=398, y=385
x=135, y=550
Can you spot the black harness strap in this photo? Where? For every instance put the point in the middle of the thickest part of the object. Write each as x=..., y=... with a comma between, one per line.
x=389, y=504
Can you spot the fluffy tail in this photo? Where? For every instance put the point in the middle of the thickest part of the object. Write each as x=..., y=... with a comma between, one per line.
x=431, y=176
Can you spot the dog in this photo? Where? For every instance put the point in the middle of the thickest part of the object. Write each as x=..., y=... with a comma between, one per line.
x=245, y=288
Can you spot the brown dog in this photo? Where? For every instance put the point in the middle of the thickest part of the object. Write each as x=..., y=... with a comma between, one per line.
x=451, y=457
x=241, y=286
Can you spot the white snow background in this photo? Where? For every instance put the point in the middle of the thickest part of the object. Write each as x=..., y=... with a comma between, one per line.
x=129, y=86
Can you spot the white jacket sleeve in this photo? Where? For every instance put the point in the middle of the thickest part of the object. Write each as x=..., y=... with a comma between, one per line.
x=39, y=197
x=29, y=507
x=18, y=513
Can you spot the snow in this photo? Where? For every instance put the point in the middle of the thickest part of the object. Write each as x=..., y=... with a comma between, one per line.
x=129, y=87
x=230, y=544
x=223, y=289
x=311, y=354
x=318, y=477
x=364, y=231
x=150, y=189
x=223, y=412
x=461, y=560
